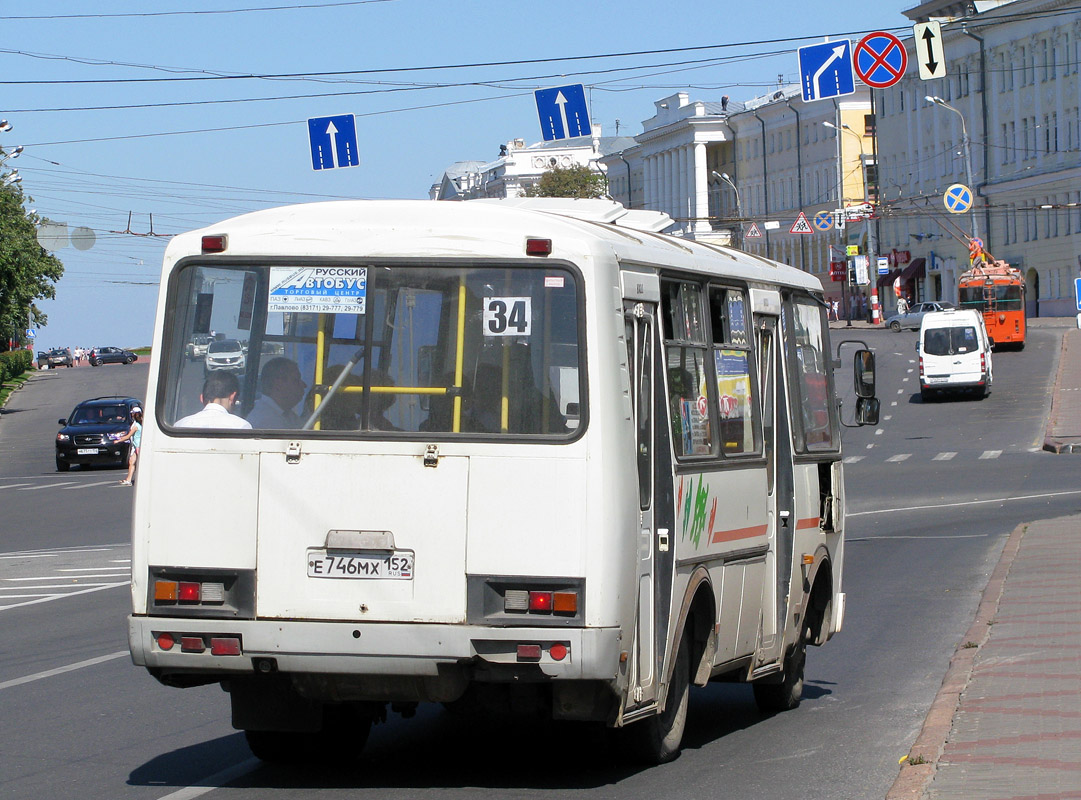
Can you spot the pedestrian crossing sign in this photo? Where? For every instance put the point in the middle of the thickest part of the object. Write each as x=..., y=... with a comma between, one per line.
x=753, y=232
x=801, y=225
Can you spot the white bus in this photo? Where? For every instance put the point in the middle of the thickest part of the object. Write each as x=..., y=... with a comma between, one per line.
x=526, y=454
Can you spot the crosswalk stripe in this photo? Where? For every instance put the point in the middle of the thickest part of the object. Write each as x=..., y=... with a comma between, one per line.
x=991, y=454
x=899, y=457
x=944, y=456
x=853, y=459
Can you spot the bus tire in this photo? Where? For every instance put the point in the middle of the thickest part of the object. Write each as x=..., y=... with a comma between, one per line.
x=785, y=695
x=657, y=739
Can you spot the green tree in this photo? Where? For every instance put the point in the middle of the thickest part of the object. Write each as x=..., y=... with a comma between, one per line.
x=576, y=181
x=27, y=271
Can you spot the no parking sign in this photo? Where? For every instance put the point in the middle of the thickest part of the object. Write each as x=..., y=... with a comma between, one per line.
x=880, y=59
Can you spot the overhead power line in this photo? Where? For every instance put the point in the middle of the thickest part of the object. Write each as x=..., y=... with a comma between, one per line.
x=129, y=14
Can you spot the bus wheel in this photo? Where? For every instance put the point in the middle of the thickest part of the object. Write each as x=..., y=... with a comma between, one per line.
x=786, y=695
x=656, y=740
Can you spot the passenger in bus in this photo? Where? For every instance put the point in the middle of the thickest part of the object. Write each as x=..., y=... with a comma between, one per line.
x=282, y=389
x=219, y=395
x=380, y=403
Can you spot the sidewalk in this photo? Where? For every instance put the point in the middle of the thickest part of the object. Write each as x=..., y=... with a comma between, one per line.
x=1006, y=723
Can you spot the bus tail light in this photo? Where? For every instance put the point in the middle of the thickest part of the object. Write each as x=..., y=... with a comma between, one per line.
x=196, y=643
x=540, y=602
x=192, y=644
x=224, y=646
x=538, y=247
x=170, y=592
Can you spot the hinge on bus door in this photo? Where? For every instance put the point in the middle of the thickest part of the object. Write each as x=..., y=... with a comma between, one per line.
x=292, y=453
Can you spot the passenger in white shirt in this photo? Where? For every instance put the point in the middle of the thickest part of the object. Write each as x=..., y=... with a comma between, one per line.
x=282, y=389
x=220, y=391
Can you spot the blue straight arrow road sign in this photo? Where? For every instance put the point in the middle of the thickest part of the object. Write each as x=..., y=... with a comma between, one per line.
x=563, y=112
x=826, y=70
x=333, y=141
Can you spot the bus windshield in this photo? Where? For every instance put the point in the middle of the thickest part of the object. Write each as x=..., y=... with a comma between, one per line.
x=1001, y=297
x=343, y=350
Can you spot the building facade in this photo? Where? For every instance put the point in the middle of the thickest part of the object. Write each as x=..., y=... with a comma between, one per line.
x=1012, y=85
x=519, y=167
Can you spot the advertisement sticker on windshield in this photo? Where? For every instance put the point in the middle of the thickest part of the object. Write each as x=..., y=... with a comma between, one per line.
x=317, y=290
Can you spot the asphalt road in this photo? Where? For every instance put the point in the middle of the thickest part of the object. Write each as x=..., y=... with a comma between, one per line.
x=932, y=494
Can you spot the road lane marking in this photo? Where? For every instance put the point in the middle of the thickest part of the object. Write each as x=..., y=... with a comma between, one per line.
x=66, y=594
x=73, y=577
x=49, y=673
x=215, y=781
x=87, y=485
x=899, y=457
x=991, y=454
x=35, y=555
x=80, y=585
x=46, y=486
x=15, y=485
x=944, y=456
x=1043, y=496
x=853, y=459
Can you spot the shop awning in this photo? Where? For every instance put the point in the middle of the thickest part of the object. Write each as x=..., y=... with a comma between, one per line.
x=887, y=279
x=915, y=271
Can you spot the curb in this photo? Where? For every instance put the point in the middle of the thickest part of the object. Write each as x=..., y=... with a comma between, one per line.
x=1050, y=442
x=914, y=778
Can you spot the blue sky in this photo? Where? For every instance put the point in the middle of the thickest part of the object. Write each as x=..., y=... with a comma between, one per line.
x=195, y=164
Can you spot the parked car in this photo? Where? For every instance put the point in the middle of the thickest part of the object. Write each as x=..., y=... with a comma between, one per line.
x=43, y=359
x=914, y=316
x=225, y=354
x=110, y=355
x=60, y=357
x=196, y=348
x=90, y=431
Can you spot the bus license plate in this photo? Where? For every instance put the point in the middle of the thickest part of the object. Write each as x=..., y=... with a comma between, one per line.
x=379, y=566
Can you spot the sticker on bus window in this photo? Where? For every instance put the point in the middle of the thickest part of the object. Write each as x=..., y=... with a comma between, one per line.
x=508, y=316
x=553, y=281
x=318, y=290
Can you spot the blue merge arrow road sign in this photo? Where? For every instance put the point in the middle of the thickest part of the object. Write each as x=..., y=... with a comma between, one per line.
x=826, y=70
x=333, y=141
x=563, y=112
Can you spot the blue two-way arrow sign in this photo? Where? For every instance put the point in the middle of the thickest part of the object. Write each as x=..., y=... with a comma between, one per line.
x=826, y=70
x=333, y=141
x=563, y=112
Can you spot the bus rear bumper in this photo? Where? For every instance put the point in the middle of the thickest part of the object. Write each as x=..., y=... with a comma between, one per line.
x=349, y=648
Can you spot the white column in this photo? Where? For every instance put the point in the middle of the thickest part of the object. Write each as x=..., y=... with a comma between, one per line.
x=669, y=189
x=684, y=183
x=700, y=206
x=647, y=182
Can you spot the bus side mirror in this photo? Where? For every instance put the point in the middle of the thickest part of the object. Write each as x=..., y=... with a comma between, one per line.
x=867, y=409
x=864, y=373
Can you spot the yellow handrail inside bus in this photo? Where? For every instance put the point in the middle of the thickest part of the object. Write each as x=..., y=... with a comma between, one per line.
x=459, y=357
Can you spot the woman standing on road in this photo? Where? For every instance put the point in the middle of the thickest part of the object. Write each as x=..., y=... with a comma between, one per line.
x=135, y=434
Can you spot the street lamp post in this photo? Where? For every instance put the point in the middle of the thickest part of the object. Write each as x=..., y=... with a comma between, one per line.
x=938, y=101
x=723, y=176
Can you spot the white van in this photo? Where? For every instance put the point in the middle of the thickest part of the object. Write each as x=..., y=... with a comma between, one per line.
x=955, y=353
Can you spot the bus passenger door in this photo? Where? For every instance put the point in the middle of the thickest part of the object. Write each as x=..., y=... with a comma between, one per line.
x=655, y=547
x=779, y=485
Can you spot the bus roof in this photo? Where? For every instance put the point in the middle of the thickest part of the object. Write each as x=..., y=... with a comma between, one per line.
x=485, y=229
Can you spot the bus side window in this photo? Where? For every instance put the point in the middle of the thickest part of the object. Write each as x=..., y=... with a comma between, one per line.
x=737, y=407
x=685, y=367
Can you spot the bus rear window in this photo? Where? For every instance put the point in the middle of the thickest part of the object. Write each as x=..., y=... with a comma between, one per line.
x=346, y=349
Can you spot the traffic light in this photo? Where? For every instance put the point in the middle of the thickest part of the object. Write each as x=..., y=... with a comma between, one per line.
x=851, y=274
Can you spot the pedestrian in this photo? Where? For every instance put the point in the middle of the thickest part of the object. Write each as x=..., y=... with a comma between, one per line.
x=834, y=308
x=135, y=434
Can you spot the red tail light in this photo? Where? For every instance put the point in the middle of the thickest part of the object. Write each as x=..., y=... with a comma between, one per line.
x=538, y=247
x=215, y=244
x=540, y=601
x=192, y=644
x=224, y=646
x=189, y=592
